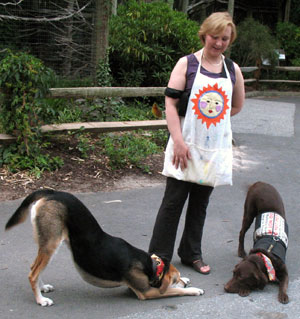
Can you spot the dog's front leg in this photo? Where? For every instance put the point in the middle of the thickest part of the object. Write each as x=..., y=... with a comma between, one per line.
x=154, y=293
x=283, y=286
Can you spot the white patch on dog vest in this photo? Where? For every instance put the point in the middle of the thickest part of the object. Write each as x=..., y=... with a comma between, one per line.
x=271, y=224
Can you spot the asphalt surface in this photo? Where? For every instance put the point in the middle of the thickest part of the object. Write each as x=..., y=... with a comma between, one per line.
x=267, y=139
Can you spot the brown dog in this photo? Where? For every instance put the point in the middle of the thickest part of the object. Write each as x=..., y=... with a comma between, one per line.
x=266, y=261
x=101, y=260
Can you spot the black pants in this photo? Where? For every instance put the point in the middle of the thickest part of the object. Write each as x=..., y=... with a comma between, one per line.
x=167, y=220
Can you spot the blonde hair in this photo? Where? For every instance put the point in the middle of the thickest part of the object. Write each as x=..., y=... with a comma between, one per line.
x=215, y=24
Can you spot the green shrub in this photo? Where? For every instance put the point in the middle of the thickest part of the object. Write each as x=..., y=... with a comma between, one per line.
x=254, y=43
x=128, y=150
x=24, y=81
x=103, y=76
x=146, y=40
x=288, y=34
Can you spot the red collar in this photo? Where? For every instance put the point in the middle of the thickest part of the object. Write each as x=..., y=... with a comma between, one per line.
x=268, y=263
x=159, y=266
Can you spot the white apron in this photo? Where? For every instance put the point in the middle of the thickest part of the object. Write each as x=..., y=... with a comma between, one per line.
x=206, y=130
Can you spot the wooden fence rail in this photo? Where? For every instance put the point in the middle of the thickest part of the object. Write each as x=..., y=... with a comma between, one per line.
x=102, y=92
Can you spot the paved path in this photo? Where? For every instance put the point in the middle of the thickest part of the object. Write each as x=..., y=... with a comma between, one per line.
x=267, y=134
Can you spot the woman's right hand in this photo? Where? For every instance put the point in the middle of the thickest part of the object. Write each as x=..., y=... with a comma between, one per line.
x=181, y=155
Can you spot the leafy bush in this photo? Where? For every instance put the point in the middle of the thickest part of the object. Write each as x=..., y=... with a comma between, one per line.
x=288, y=35
x=146, y=40
x=125, y=150
x=24, y=80
x=254, y=43
x=104, y=77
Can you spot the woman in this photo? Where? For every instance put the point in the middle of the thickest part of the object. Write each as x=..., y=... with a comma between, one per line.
x=204, y=90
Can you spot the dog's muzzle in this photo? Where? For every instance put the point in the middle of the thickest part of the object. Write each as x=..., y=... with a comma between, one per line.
x=159, y=267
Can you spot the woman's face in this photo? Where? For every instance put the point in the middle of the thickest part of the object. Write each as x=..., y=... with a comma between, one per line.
x=216, y=44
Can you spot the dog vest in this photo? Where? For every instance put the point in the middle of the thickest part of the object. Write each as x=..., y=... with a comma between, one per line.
x=271, y=234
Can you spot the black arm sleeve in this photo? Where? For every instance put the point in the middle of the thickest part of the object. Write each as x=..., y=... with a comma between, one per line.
x=173, y=93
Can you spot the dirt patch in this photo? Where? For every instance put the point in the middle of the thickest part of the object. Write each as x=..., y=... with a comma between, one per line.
x=78, y=175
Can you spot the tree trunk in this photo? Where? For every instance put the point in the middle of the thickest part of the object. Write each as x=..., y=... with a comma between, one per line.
x=171, y=3
x=68, y=40
x=114, y=7
x=185, y=4
x=287, y=11
x=231, y=7
x=100, y=38
x=181, y=5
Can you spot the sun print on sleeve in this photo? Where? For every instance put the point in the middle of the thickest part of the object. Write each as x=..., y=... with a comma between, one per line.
x=210, y=105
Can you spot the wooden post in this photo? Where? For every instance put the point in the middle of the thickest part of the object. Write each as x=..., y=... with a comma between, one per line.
x=100, y=38
x=287, y=11
x=230, y=7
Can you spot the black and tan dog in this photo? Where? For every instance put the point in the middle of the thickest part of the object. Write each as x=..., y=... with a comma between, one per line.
x=102, y=260
x=266, y=261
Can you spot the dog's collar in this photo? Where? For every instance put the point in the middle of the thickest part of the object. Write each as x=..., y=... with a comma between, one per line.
x=268, y=263
x=160, y=266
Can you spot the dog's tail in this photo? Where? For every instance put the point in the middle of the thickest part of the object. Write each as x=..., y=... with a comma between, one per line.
x=21, y=213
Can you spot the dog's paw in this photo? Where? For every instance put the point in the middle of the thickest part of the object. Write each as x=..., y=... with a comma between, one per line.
x=47, y=288
x=242, y=253
x=44, y=302
x=182, y=283
x=185, y=281
x=244, y=293
x=192, y=291
x=283, y=298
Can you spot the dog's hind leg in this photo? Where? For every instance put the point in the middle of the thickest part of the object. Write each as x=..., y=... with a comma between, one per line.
x=49, y=231
x=43, y=287
x=40, y=263
x=37, y=267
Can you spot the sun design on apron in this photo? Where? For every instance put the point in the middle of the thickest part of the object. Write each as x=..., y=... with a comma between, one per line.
x=210, y=105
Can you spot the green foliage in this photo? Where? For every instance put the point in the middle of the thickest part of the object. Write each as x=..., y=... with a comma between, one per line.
x=67, y=82
x=146, y=40
x=288, y=35
x=133, y=112
x=83, y=145
x=127, y=150
x=103, y=75
x=254, y=43
x=13, y=157
x=24, y=80
x=160, y=137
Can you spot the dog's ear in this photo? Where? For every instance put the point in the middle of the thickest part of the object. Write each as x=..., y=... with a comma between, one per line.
x=167, y=263
x=260, y=276
x=262, y=279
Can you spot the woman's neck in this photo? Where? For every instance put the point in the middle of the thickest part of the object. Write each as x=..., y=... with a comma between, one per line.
x=212, y=60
